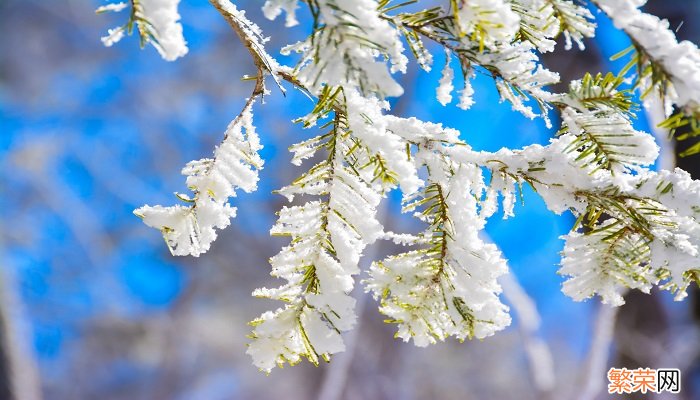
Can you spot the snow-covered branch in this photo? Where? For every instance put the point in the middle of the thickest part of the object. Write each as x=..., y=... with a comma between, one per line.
x=635, y=228
x=190, y=230
x=156, y=21
x=667, y=70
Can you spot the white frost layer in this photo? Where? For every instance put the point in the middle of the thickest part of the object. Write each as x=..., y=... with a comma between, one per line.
x=445, y=87
x=162, y=21
x=680, y=60
x=519, y=67
x=191, y=230
x=453, y=291
x=112, y=7
x=493, y=21
x=539, y=21
x=165, y=18
x=352, y=50
x=273, y=8
x=328, y=237
x=662, y=256
x=366, y=120
x=466, y=94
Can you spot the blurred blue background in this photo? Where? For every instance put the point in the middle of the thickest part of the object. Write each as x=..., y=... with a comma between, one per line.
x=97, y=306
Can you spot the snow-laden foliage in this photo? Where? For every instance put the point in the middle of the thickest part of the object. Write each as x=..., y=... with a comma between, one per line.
x=190, y=230
x=667, y=70
x=327, y=240
x=445, y=87
x=575, y=21
x=445, y=286
x=598, y=115
x=487, y=22
x=680, y=61
x=348, y=47
x=518, y=76
x=156, y=21
x=634, y=228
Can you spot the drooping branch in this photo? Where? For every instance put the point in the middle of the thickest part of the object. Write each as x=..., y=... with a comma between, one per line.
x=666, y=69
x=252, y=38
x=635, y=228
